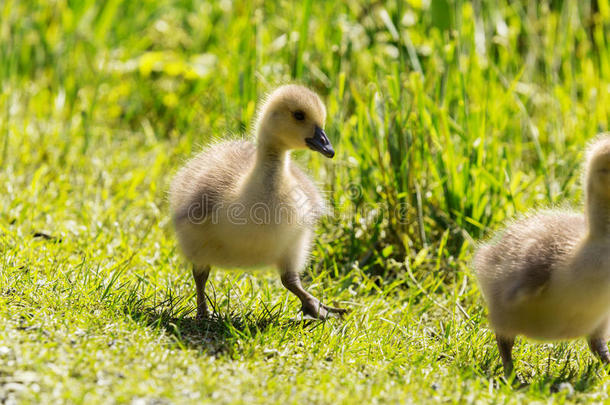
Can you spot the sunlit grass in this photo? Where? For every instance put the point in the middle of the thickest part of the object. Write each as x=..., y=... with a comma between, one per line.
x=447, y=118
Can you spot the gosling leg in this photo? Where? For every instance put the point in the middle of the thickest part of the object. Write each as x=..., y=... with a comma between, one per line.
x=200, y=274
x=599, y=347
x=505, y=347
x=310, y=305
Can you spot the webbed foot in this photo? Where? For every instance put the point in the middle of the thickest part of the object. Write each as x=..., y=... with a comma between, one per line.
x=317, y=310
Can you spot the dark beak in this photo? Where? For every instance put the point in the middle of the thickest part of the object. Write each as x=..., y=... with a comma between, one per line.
x=320, y=143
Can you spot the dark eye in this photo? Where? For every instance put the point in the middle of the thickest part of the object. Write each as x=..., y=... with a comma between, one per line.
x=299, y=115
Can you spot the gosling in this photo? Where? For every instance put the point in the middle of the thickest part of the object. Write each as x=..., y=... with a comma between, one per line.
x=548, y=276
x=242, y=205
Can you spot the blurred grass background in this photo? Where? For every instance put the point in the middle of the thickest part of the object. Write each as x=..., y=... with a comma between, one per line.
x=448, y=117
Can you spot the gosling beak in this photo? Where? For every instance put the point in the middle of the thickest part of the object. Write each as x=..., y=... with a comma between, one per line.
x=320, y=143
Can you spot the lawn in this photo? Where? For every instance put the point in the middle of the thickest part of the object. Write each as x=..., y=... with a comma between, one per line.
x=448, y=118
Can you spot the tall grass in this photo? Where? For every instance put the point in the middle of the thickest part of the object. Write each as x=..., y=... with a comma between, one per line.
x=465, y=113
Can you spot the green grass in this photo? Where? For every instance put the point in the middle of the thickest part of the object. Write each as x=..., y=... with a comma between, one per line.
x=448, y=118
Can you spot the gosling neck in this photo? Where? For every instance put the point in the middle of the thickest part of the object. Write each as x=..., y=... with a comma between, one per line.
x=598, y=217
x=272, y=162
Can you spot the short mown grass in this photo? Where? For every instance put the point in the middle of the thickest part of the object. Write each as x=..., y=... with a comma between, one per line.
x=448, y=117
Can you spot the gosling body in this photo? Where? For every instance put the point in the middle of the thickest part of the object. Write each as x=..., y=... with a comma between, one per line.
x=547, y=276
x=233, y=219
x=243, y=205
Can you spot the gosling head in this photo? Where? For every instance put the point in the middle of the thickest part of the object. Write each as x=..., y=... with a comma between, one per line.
x=597, y=172
x=293, y=117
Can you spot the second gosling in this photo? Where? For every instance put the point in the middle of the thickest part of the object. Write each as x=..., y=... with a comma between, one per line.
x=548, y=276
x=237, y=204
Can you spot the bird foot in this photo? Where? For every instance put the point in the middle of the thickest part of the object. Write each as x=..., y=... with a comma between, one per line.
x=317, y=310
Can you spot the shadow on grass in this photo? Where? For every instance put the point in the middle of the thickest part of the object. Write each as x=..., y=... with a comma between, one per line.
x=570, y=378
x=583, y=381
x=220, y=333
x=573, y=375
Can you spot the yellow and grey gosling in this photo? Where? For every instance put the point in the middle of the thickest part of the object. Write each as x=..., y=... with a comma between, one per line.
x=237, y=204
x=547, y=276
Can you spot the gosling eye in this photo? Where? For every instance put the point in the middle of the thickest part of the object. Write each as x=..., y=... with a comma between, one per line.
x=299, y=115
